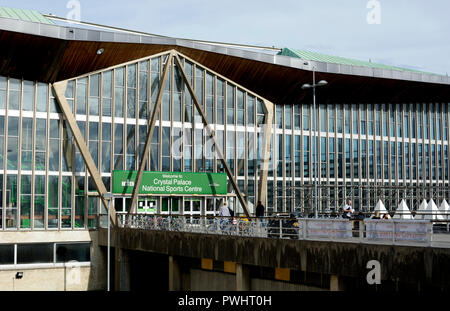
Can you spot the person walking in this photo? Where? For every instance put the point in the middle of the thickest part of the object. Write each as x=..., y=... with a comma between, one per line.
x=259, y=210
x=259, y=215
x=224, y=212
x=348, y=210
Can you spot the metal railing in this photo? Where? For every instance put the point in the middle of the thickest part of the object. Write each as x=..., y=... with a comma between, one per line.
x=391, y=231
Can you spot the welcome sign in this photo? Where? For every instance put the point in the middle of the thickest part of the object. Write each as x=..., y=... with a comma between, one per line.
x=171, y=183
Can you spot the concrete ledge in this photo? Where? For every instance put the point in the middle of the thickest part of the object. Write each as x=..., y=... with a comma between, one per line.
x=12, y=237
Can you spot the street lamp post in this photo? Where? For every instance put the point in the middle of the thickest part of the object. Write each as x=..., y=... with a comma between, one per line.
x=305, y=87
x=109, y=196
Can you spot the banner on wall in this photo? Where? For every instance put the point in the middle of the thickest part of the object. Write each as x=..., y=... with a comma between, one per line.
x=401, y=230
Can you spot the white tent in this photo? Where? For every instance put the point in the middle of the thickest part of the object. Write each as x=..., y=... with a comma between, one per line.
x=380, y=207
x=445, y=209
x=422, y=210
x=403, y=211
x=433, y=212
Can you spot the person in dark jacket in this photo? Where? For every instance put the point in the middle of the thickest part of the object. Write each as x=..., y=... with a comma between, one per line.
x=259, y=209
x=260, y=215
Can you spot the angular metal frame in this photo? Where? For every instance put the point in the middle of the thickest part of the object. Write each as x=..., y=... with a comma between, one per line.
x=267, y=135
x=60, y=89
x=212, y=135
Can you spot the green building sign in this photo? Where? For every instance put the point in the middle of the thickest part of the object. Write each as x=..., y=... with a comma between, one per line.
x=171, y=183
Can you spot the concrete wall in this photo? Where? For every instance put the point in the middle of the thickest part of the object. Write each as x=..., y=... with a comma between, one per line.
x=201, y=280
x=212, y=281
x=55, y=277
x=271, y=285
x=46, y=279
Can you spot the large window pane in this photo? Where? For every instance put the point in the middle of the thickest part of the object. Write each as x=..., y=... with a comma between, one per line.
x=131, y=147
x=251, y=110
x=27, y=143
x=54, y=146
x=154, y=150
x=66, y=204
x=77, y=251
x=143, y=90
x=155, y=80
x=35, y=253
x=230, y=105
x=2, y=141
x=119, y=92
x=67, y=149
x=7, y=254
x=107, y=93
x=13, y=143
x=118, y=147
x=28, y=96
x=131, y=91
x=11, y=201
x=240, y=107
x=25, y=201
x=39, y=201
x=79, y=201
x=220, y=114
x=14, y=94
x=2, y=92
x=92, y=212
x=94, y=94
x=106, y=147
x=42, y=97
x=41, y=141
x=1, y=201
x=165, y=149
x=53, y=201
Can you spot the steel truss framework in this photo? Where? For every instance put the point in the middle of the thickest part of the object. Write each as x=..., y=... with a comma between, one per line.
x=362, y=146
x=171, y=56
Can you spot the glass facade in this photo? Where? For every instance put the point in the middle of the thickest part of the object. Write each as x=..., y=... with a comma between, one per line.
x=43, y=175
x=365, y=152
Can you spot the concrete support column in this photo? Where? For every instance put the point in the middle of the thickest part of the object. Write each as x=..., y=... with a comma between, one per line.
x=174, y=275
x=242, y=277
x=335, y=283
x=122, y=270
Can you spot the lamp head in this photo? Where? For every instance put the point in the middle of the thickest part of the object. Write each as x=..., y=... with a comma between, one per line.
x=306, y=86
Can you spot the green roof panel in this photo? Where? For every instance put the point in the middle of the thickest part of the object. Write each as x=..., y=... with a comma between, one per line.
x=24, y=15
x=314, y=56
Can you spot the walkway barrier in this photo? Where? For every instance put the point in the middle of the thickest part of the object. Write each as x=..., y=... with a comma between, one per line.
x=330, y=229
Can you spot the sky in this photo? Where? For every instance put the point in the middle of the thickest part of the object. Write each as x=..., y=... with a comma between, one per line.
x=407, y=33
